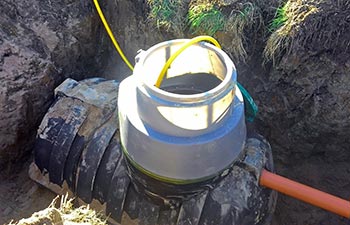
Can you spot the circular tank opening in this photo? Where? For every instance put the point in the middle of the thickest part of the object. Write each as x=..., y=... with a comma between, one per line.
x=198, y=69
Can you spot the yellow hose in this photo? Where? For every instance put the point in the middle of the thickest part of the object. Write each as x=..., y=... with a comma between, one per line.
x=178, y=52
x=111, y=36
x=170, y=60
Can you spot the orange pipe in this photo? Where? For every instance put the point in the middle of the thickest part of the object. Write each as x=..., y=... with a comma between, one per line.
x=305, y=193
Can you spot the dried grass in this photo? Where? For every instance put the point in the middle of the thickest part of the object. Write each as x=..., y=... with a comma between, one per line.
x=289, y=19
x=242, y=19
x=64, y=214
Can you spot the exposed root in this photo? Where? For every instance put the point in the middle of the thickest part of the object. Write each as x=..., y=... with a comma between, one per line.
x=242, y=19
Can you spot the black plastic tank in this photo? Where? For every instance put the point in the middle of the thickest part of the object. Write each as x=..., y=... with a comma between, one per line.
x=78, y=142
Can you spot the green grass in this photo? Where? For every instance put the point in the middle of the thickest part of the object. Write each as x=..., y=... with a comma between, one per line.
x=285, y=26
x=205, y=19
x=165, y=14
x=247, y=11
x=280, y=18
x=227, y=23
x=162, y=11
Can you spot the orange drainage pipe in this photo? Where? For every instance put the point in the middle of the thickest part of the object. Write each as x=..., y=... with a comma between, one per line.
x=305, y=193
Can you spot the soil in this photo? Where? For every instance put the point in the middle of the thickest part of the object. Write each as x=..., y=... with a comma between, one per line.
x=20, y=196
x=40, y=45
x=303, y=97
x=303, y=102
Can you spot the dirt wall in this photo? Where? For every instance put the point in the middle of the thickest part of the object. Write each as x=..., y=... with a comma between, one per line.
x=41, y=43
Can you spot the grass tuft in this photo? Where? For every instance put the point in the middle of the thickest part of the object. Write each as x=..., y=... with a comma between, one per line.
x=240, y=20
x=167, y=14
x=206, y=19
x=280, y=18
x=288, y=20
x=228, y=21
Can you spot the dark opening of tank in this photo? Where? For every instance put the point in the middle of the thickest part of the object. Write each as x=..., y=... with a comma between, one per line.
x=189, y=84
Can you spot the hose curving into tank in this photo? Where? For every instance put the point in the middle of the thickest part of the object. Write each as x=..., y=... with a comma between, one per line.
x=251, y=108
x=178, y=52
